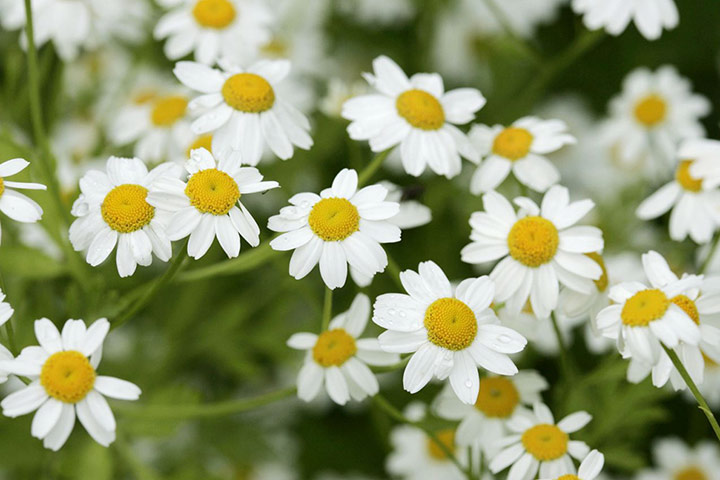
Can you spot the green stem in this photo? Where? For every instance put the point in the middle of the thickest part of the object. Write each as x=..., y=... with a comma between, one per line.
x=327, y=310
x=711, y=253
x=372, y=167
x=562, y=347
x=155, y=288
x=394, y=270
x=207, y=410
x=702, y=404
x=509, y=32
x=10, y=331
x=139, y=469
x=244, y=262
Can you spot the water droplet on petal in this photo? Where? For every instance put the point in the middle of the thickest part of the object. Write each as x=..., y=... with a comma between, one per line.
x=504, y=339
x=402, y=314
x=392, y=311
x=468, y=383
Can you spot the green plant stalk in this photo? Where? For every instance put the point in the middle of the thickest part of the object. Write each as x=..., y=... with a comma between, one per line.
x=562, y=347
x=372, y=167
x=504, y=22
x=246, y=261
x=327, y=310
x=393, y=270
x=711, y=253
x=139, y=469
x=702, y=404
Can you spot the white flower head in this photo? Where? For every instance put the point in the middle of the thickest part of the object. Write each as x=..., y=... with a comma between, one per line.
x=341, y=226
x=651, y=17
x=5, y=357
x=417, y=114
x=339, y=359
x=642, y=317
x=705, y=156
x=64, y=383
x=590, y=468
x=6, y=311
x=113, y=210
x=540, y=248
x=538, y=445
x=675, y=459
x=520, y=148
x=450, y=331
x=209, y=204
x=12, y=203
x=412, y=213
x=243, y=111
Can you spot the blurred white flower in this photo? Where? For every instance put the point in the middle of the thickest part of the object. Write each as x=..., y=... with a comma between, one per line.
x=676, y=460
x=12, y=203
x=590, y=468
x=338, y=92
x=378, y=12
x=412, y=213
x=650, y=16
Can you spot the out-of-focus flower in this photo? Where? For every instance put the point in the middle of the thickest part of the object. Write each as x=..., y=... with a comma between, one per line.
x=6, y=311
x=590, y=468
x=676, y=460
x=412, y=213
x=5, y=356
x=339, y=92
x=651, y=17
x=378, y=12
x=12, y=203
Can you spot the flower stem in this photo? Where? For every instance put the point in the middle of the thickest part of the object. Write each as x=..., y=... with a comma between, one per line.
x=562, y=347
x=509, y=32
x=10, y=331
x=327, y=310
x=244, y=262
x=710, y=254
x=394, y=270
x=372, y=167
x=702, y=404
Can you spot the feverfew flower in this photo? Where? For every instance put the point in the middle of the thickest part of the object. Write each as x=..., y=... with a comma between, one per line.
x=642, y=317
x=208, y=205
x=242, y=110
x=590, y=468
x=450, y=331
x=417, y=114
x=5, y=356
x=64, y=383
x=339, y=359
x=650, y=16
x=6, y=311
x=520, y=148
x=112, y=209
x=540, y=447
x=341, y=226
x=539, y=247
x=14, y=204
x=498, y=399
x=675, y=460
x=705, y=156
x=214, y=29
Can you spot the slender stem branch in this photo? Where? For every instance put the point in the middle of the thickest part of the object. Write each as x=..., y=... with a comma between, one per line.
x=710, y=254
x=505, y=24
x=244, y=262
x=394, y=270
x=327, y=310
x=372, y=167
x=702, y=404
x=10, y=331
x=206, y=410
x=562, y=347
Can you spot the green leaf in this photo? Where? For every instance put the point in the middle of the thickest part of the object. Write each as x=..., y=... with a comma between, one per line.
x=29, y=263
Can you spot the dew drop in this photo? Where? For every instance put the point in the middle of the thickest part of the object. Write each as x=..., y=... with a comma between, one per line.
x=402, y=314
x=468, y=383
x=504, y=339
x=392, y=311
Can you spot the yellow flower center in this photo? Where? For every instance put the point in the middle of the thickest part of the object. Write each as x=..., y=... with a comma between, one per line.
x=333, y=348
x=446, y=439
x=512, y=143
x=125, y=209
x=533, y=241
x=601, y=283
x=334, y=219
x=212, y=191
x=568, y=476
x=248, y=92
x=214, y=13
x=168, y=110
x=651, y=110
x=545, y=442
x=644, y=307
x=690, y=473
x=67, y=376
x=688, y=306
x=275, y=48
x=497, y=397
x=709, y=362
x=2, y=186
x=420, y=109
x=204, y=141
x=685, y=179
x=450, y=324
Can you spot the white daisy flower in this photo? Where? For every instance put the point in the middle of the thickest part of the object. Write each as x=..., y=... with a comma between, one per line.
x=539, y=445
x=539, y=247
x=338, y=92
x=676, y=460
x=417, y=114
x=412, y=213
x=498, y=399
x=654, y=112
x=6, y=311
x=575, y=304
x=339, y=359
x=450, y=331
x=213, y=29
x=5, y=356
x=651, y=17
x=416, y=456
x=12, y=203
x=520, y=148
x=341, y=226
x=642, y=317
x=590, y=468
x=208, y=205
x=242, y=111
x=705, y=156
x=64, y=383
x=112, y=209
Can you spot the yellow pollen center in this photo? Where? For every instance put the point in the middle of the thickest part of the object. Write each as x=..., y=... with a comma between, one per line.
x=709, y=362
x=685, y=179
x=125, y=209
x=601, y=283
x=204, y=141
x=690, y=473
x=2, y=186
x=420, y=109
x=533, y=241
x=568, y=476
x=688, y=306
x=168, y=110
x=447, y=439
x=512, y=143
x=545, y=442
x=334, y=219
x=214, y=13
x=651, y=110
x=497, y=397
x=212, y=191
x=248, y=92
x=450, y=324
x=644, y=307
x=67, y=376
x=333, y=348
